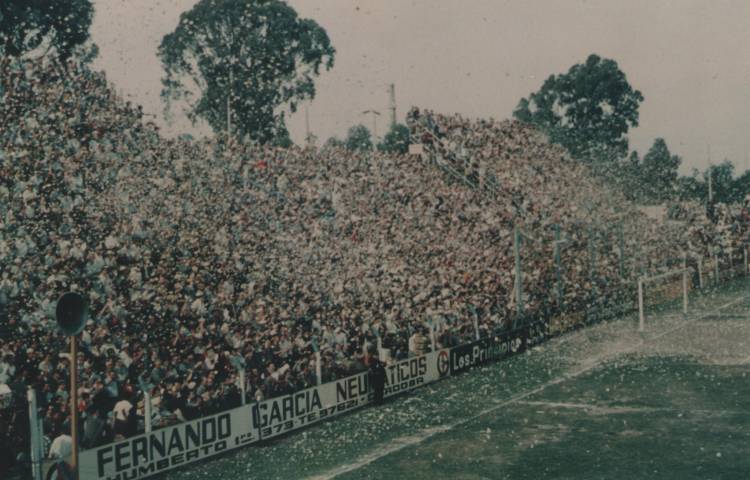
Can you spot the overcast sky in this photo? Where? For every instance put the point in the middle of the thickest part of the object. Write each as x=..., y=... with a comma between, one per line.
x=689, y=58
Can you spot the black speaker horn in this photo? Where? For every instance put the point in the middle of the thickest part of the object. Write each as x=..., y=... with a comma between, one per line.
x=71, y=313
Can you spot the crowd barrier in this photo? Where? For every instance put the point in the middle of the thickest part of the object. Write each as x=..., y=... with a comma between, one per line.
x=156, y=452
x=171, y=447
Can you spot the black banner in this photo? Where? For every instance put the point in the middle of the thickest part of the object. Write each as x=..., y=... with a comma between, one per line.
x=488, y=349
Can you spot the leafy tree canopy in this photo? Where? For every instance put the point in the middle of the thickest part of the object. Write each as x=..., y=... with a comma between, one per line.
x=396, y=140
x=257, y=53
x=334, y=142
x=659, y=172
x=588, y=110
x=59, y=25
x=358, y=138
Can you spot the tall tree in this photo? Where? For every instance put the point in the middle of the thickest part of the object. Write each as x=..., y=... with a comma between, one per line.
x=725, y=188
x=252, y=58
x=742, y=186
x=692, y=187
x=358, y=138
x=588, y=110
x=658, y=172
x=59, y=25
x=629, y=179
x=333, y=143
x=396, y=140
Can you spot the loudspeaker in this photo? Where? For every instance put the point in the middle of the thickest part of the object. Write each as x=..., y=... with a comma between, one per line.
x=71, y=313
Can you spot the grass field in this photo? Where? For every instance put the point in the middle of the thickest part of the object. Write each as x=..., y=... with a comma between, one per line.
x=605, y=402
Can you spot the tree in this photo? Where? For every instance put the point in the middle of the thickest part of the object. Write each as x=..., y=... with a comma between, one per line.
x=692, y=187
x=26, y=25
x=658, y=172
x=742, y=186
x=251, y=57
x=588, y=110
x=725, y=188
x=396, y=140
x=629, y=179
x=358, y=138
x=333, y=143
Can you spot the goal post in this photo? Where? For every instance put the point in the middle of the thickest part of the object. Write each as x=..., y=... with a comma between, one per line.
x=642, y=281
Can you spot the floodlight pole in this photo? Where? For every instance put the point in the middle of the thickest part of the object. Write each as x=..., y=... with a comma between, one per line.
x=74, y=403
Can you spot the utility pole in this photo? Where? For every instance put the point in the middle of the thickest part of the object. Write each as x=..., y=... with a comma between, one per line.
x=375, y=115
x=710, y=177
x=393, y=104
x=307, y=126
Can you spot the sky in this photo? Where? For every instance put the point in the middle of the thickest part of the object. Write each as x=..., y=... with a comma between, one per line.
x=690, y=59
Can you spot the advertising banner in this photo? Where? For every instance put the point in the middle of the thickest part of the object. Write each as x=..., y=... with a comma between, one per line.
x=280, y=415
x=171, y=447
x=487, y=349
x=537, y=333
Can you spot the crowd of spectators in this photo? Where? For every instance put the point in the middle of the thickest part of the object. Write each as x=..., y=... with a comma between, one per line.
x=201, y=258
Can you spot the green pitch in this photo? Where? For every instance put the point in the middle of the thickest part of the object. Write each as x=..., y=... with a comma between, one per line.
x=603, y=402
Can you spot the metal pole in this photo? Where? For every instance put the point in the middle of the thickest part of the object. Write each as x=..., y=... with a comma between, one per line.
x=641, y=319
x=716, y=266
x=393, y=104
x=147, y=411
x=700, y=272
x=229, y=105
x=558, y=268
x=243, y=386
x=74, y=403
x=517, y=254
x=36, y=436
x=621, y=234
x=307, y=127
x=432, y=338
x=685, y=291
x=593, y=294
x=318, y=368
x=476, y=326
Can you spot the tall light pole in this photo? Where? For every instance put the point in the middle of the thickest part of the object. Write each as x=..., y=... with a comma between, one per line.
x=375, y=115
x=710, y=178
x=392, y=92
